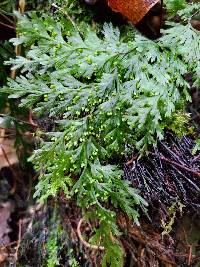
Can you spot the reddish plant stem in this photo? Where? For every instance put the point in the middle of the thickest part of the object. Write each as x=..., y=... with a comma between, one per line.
x=176, y=164
x=8, y=26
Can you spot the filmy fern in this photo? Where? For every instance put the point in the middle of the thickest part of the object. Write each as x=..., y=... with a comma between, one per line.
x=190, y=11
x=184, y=42
x=104, y=92
x=182, y=39
x=173, y=6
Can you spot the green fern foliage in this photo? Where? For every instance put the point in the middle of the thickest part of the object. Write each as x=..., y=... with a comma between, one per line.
x=173, y=6
x=103, y=92
x=114, y=253
x=184, y=42
x=190, y=11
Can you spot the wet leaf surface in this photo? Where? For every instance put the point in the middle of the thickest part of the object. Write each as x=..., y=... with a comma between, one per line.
x=133, y=10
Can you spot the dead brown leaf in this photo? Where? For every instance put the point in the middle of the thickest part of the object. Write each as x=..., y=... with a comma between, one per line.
x=133, y=10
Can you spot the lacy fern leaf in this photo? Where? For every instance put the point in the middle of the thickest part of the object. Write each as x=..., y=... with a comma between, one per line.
x=103, y=92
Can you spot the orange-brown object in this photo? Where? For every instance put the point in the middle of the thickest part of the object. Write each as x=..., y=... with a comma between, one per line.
x=195, y=24
x=133, y=10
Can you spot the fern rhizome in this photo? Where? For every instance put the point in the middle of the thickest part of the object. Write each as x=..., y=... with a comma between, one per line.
x=103, y=91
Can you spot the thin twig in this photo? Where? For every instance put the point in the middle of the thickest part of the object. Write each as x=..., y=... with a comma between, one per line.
x=86, y=244
x=177, y=164
x=196, y=158
x=67, y=15
x=19, y=240
x=8, y=245
x=7, y=18
x=8, y=26
x=18, y=120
